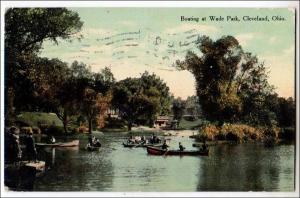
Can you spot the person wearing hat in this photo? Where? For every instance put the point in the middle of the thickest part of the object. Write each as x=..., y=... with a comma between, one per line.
x=30, y=147
x=14, y=152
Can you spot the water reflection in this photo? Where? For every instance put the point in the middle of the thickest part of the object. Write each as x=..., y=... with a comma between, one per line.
x=246, y=167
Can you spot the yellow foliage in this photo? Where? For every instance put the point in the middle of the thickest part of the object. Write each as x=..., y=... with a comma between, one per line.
x=236, y=132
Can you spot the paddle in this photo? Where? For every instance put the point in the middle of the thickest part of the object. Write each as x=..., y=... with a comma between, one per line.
x=165, y=153
x=138, y=144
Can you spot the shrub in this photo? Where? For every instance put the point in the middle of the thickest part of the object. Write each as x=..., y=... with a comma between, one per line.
x=208, y=132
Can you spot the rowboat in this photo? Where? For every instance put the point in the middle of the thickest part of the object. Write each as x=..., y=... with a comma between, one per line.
x=92, y=148
x=60, y=144
x=131, y=145
x=38, y=166
x=158, y=151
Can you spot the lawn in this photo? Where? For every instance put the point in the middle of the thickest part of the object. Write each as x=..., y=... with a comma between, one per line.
x=36, y=118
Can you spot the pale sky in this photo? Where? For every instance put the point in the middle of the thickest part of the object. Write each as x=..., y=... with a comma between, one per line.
x=132, y=40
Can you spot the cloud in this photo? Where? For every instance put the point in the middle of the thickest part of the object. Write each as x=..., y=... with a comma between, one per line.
x=245, y=38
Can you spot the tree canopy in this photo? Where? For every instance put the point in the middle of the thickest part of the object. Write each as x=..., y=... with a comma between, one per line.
x=230, y=83
x=140, y=100
x=25, y=31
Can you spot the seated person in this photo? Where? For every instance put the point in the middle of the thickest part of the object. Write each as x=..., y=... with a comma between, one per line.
x=181, y=148
x=97, y=143
x=204, y=146
x=130, y=140
x=51, y=140
x=165, y=146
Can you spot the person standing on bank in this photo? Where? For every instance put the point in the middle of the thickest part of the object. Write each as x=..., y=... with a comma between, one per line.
x=30, y=147
x=13, y=148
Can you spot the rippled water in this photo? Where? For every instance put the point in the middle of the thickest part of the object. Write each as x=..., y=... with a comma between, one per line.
x=244, y=167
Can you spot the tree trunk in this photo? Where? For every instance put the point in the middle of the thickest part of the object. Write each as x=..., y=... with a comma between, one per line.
x=65, y=121
x=65, y=126
x=129, y=126
x=90, y=125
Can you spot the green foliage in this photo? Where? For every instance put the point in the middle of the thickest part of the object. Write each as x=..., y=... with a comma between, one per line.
x=231, y=84
x=178, y=108
x=140, y=100
x=190, y=124
x=23, y=32
x=38, y=118
x=192, y=106
x=26, y=75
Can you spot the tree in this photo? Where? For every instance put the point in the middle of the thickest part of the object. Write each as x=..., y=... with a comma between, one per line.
x=154, y=86
x=226, y=78
x=93, y=92
x=178, y=108
x=140, y=100
x=25, y=31
x=192, y=106
x=94, y=106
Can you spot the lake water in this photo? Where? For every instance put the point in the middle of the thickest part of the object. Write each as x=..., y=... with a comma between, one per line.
x=243, y=167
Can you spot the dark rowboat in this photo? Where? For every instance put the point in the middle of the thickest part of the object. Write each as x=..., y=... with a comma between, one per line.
x=60, y=144
x=158, y=151
x=131, y=145
x=92, y=148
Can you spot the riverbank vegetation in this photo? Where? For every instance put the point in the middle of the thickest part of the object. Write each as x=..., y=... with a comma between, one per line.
x=233, y=100
x=232, y=86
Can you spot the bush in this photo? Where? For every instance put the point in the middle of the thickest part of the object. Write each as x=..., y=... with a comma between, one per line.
x=231, y=132
x=208, y=132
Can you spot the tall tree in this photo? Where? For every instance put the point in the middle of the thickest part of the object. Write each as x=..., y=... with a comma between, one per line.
x=226, y=76
x=178, y=108
x=25, y=31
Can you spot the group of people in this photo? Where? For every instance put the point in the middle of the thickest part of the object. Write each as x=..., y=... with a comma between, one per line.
x=165, y=146
x=181, y=147
x=143, y=140
x=94, y=142
x=13, y=152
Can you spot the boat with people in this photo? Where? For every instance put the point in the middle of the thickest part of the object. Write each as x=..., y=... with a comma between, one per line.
x=92, y=148
x=73, y=143
x=133, y=145
x=159, y=151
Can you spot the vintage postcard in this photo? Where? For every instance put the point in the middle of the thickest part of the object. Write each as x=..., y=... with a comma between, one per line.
x=133, y=99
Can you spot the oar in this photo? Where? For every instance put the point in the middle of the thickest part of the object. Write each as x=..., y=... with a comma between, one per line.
x=165, y=153
x=138, y=145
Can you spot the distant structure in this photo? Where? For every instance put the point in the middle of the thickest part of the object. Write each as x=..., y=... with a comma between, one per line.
x=162, y=121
